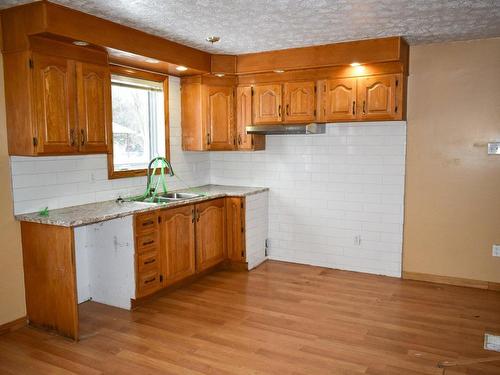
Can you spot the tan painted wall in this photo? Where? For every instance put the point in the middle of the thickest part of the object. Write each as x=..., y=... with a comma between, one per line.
x=452, y=210
x=12, y=304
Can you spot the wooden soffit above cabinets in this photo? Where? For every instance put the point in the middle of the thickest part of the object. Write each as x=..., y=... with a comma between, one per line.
x=18, y=23
x=371, y=51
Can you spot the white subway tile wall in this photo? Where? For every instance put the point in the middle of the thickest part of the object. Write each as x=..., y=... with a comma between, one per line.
x=336, y=199
x=62, y=181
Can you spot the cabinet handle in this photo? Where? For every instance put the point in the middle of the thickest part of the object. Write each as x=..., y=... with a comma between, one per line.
x=194, y=216
x=198, y=216
x=208, y=139
x=150, y=261
x=239, y=139
x=364, y=107
x=82, y=132
x=279, y=110
x=148, y=242
x=353, y=107
x=150, y=280
x=396, y=98
x=72, y=136
x=287, y=110
x=149, y=222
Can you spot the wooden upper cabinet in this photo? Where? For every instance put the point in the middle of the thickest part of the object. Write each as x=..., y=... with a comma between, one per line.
x=210, y=233
x=94, y=106
x=208, y=113
x=339, y=99
x=300, y=102
x=380, y=97
x=267, y=104
x=54, y=104
x=220, y=118
x=246, y=141
x=177, y=247
x=58, y=96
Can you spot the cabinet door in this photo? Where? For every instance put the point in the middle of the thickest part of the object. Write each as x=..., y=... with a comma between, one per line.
x=380, y=97
x=300, y=98
x=220, y=118
x=243, y=119
x=94, y=111
x=267, y=104
x=210, y=233
x=55, y=104
x=235, y=215
x=339, y=102
x=177, y=243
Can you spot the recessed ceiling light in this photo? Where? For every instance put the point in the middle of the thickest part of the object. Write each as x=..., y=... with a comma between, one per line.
x=278, y=71
x=181, y=68
x=355, y=64
x=152, y=61
x=219, y=74
x=213, y=39
x=80, y=43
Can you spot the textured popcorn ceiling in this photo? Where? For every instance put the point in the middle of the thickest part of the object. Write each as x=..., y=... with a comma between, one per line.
x=260, y=25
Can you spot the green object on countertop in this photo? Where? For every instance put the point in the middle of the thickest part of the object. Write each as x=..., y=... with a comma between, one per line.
x=44, y=212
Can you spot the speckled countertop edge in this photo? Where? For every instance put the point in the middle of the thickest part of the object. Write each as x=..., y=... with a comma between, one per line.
x=91, y=213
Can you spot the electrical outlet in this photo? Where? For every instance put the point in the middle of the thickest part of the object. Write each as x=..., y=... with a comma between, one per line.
x=492, y=342
x=496, y=250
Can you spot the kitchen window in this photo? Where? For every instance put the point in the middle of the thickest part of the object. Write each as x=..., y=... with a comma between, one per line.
x=140, y=121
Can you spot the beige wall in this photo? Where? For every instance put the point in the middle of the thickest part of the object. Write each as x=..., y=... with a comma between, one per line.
x=12, y=304
x=452, y=210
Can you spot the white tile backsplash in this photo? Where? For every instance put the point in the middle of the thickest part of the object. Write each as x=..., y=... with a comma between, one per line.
x=62, y=181
x=328, y=189
x=325, y=190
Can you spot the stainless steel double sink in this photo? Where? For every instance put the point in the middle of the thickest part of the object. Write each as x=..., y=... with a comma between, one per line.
x=167, y=198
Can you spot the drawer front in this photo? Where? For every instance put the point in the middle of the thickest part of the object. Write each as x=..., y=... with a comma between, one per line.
x=149, y=282
x=145, y=223
x=147, y=242
x=148, y=261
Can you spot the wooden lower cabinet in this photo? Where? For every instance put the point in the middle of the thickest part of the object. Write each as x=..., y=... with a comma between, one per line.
x=235, y=217
x=210, y=233
x=177, y=243
x=147, y=257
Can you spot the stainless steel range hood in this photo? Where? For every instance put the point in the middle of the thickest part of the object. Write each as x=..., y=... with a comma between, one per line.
x=312, y=128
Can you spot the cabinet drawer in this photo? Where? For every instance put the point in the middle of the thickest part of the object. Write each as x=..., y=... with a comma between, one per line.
x=145, y=223
x=147, y=242
x=148, y=282
x=148, y=261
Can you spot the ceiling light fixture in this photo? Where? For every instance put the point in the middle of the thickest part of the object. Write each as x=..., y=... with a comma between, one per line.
x=279, y=71
x=213, y=39
x=355, y=64
x=181, y=68
x=152, y=61
x=80, y=43
x=219, y=74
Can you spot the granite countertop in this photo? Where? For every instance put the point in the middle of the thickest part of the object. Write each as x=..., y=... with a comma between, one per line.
x=101, y=211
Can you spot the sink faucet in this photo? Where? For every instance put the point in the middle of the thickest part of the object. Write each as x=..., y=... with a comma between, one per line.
x=163, y=163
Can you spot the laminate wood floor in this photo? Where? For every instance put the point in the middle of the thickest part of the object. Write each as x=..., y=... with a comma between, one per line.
x=278, y=319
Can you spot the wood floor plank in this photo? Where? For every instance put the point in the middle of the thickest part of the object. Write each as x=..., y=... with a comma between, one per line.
x=281, y=318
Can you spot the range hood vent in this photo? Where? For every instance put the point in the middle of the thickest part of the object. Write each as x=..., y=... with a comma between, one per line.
x=312, y=128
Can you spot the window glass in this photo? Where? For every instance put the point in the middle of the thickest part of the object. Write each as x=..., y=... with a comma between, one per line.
x=138, y=122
